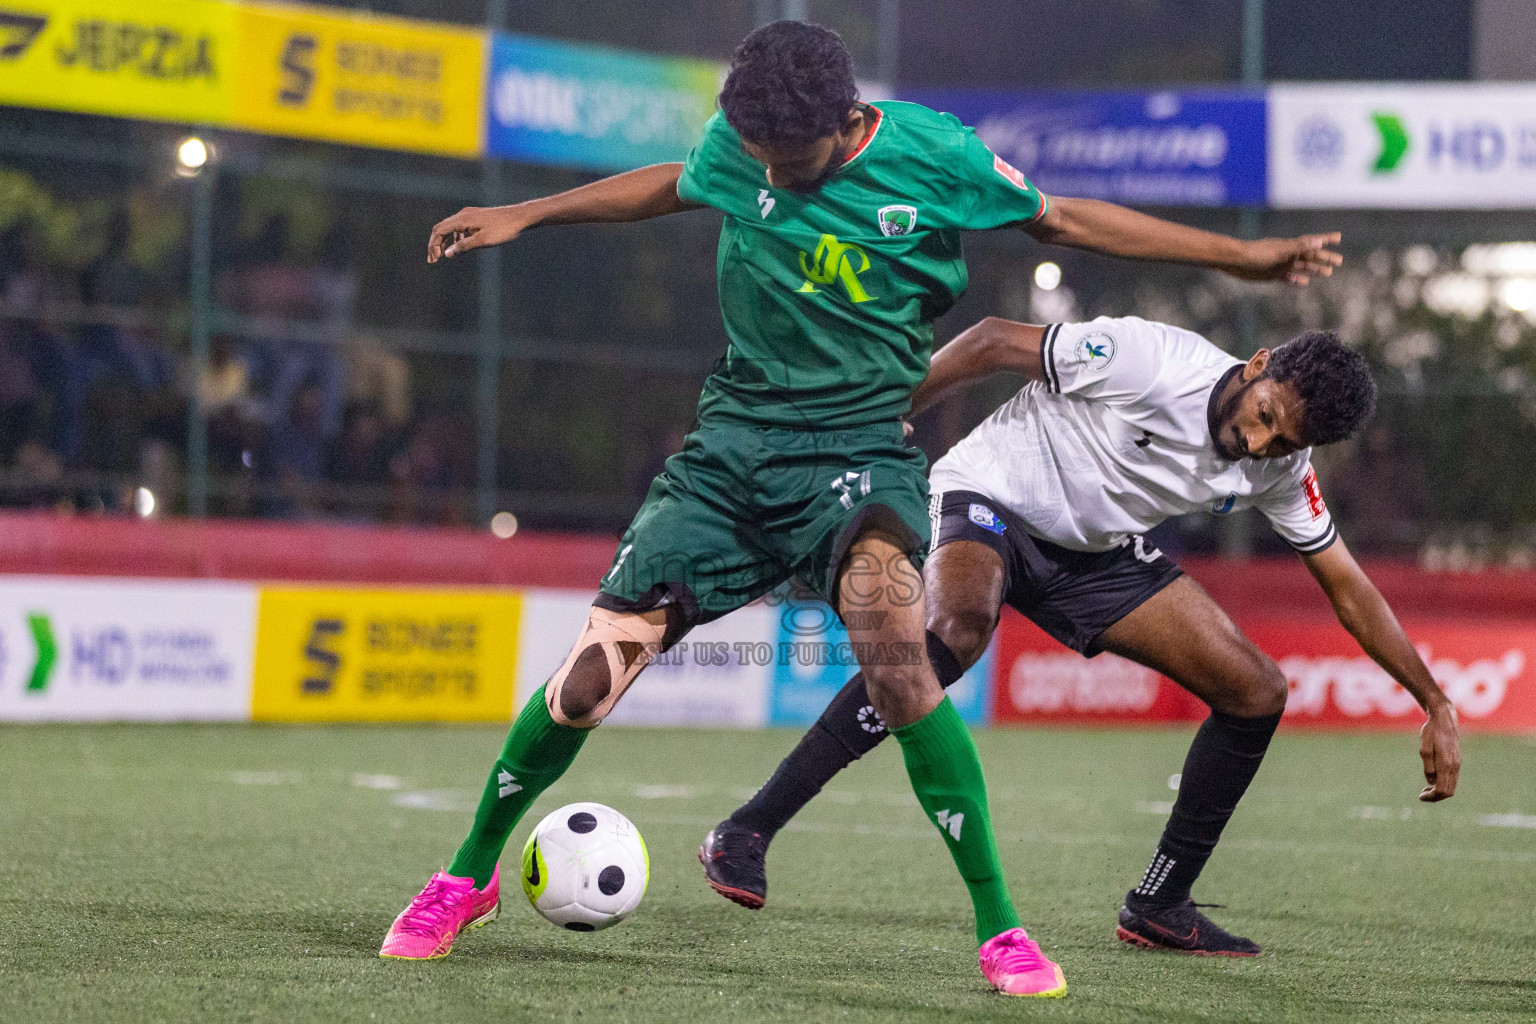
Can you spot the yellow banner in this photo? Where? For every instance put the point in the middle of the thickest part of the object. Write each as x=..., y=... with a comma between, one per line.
x=166, y=60
x=366, y=655
x=368, y=81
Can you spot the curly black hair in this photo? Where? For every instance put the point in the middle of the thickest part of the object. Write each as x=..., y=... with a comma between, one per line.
x=1337, y=391
x=790, y=83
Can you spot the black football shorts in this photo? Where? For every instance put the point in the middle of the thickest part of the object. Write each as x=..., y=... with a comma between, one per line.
x=1072, y=595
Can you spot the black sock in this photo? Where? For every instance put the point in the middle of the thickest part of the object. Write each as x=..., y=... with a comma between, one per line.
x=1222, y=761
x=846, y=731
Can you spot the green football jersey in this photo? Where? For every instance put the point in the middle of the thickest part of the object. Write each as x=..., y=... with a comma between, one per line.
x=829, y=298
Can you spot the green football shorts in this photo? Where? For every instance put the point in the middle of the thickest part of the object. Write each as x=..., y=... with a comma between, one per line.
x=742, y=508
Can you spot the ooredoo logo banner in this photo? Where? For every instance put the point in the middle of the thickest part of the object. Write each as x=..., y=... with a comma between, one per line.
x=1488, y=670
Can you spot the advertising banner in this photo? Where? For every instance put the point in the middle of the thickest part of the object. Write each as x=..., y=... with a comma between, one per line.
x=1404, y=146
x=367, y=81
x=1187, y=148
x=362, y=654
x=1488, y=670
x=718, y=675
x=125, y=650
x=812, y=660
x=588, y=106
x=168, y=60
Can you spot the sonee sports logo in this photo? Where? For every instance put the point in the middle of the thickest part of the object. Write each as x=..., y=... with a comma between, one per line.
x=950, y=822
x=870, y=720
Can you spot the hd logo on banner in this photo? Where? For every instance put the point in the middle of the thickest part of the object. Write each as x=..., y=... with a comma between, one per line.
x=125, y=650
x=382, y=82
x=336, y=655
x=1403, y=146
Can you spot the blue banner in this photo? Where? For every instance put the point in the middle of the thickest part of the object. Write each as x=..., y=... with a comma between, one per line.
x=1188, y=148
x=813, y=660
x=593, y=107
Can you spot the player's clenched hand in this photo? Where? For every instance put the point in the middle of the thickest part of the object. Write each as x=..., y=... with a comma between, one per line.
x=472, y=228
x=1293, y=260
x=1440, y=749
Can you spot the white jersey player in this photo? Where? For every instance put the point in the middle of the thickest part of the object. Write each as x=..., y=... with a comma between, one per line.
x=1121, y=434
x=1122, y=424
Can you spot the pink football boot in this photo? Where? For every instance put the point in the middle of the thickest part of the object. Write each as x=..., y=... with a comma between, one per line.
x=425, y=930
x=1013, y=964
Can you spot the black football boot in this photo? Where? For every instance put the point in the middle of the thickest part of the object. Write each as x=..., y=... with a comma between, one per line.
x=734, y=863
x=1180, y=928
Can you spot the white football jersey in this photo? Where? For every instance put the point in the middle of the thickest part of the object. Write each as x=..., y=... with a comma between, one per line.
x=1118, y=439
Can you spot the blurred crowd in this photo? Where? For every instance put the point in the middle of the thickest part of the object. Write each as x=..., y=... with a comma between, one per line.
x=306, y=416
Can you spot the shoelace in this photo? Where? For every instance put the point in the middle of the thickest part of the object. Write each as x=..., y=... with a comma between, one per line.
x=1020, y=954
x=426, y=913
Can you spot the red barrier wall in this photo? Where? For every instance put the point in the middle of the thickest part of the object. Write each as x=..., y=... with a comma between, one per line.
x=232, y=549
x=243, y=550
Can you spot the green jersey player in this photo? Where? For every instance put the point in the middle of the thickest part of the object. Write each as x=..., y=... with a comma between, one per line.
x=840, y=246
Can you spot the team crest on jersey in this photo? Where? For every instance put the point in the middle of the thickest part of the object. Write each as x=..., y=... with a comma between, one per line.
x=987, y=519
x=897, y=220
x=1224, y=505
x=1095, y=351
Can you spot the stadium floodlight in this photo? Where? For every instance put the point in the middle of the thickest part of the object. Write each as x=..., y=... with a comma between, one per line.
x=504, y=525
x=192, y=154
x=1519, y=294
x=144, y=502
x=1048, y=276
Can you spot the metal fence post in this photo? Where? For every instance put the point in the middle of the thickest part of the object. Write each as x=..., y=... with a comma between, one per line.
x=488, y=360
x=201, y=303
x=1236, y=537
x=488, y=350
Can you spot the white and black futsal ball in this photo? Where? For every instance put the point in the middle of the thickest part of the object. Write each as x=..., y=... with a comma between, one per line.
x=585, y=867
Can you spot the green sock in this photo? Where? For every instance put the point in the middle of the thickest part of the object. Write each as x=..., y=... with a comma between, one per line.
x=537, y=752
x=946, y=776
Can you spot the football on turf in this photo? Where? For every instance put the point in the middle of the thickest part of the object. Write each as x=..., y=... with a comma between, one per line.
x=585, y=867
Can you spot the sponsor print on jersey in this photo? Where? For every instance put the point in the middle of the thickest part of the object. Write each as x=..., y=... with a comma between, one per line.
x=897, y=219
x=1010, y=172
x=1095, y=351
x=1314, y=493
x=987, y=519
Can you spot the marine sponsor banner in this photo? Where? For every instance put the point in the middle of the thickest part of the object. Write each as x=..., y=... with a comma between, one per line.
x=368, y=81
x=365, y=654
x=1487, y=669
x=718, y=675
x=589, y=106
x=1199, y=147
x=813, y=659
x=1403, y=145
x=166, y=60
x=125, y=650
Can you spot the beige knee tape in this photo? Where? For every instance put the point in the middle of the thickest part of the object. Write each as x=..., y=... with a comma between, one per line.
x=606, y=630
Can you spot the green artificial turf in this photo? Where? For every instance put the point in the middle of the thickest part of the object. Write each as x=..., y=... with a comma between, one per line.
x=244, y=873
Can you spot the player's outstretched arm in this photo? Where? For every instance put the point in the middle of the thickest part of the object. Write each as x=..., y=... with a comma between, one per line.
x=1364, y=612
x=634, y=195
x=994, y=345
x=1117, y=231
